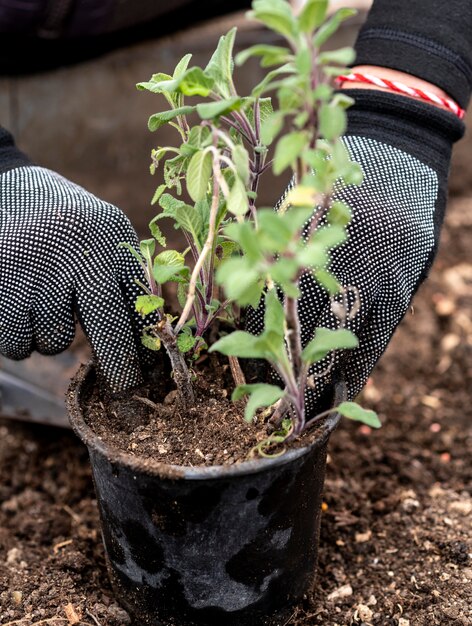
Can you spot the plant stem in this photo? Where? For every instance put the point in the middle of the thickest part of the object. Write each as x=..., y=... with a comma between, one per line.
x=293, y=334
x=236, y=371
x=206, y=247
x=179, y=367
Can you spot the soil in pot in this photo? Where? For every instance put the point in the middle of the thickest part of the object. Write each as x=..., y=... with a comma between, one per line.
x=150, y=424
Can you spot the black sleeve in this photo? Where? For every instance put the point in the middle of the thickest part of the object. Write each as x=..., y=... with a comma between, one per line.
x=430, y=39
x=10, y=156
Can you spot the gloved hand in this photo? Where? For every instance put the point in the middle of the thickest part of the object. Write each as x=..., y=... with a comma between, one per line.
x=59, y=252
x=403, y=147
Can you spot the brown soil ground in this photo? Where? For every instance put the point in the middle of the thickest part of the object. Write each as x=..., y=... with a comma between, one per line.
x=396, y=537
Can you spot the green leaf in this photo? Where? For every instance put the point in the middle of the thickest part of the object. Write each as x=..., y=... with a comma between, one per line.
x=241, y=162
x=329, y=236
x=237, y=202
x=271, y=127
x=266, y=82
x=343, y=56
x=181, y=66
x=274, y=318
x=198, y=175
x=220, y=66
x=355, y=412
x=327, y=280
x=241, y=281
x=288, y=149
x=327, y=340
x=331, y=26
x=158, y=193
x=210, y=110
x=185, y=340
x=339, y=213
x=271, y=55
x=169, y=265
x=159, y=119
x=240, y=344
x=194, y=82
x=151, y=342
x=156, y=232
x=147, y=304
x=312, y=255
x=332, y=121
x=312, y=15
x=260, y=394
x=147, y=248
x=190, y=220
x=276, y=15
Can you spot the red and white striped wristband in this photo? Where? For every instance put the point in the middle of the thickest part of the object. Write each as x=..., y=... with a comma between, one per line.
x=394, y=85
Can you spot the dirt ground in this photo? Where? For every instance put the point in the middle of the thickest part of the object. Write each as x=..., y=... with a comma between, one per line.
x=396, y=538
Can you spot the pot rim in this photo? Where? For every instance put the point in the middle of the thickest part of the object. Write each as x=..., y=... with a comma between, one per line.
x=165, y=470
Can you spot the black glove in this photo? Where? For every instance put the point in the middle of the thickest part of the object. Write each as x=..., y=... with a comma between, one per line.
x=59, y=250
x=404, y=148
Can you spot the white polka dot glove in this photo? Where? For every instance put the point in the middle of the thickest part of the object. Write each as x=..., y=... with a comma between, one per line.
x=404, y=148
x=59, y=253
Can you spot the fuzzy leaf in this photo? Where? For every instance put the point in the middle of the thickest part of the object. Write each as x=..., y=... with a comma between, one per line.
x=332, y=120
x=168, y=265
x=330, y=236
x=182, y=65
x=147, y=304
x=237, y=202
x=327, y=280
x=353, y=411
x=220, y=66
x=198, y=175
x=343, y=56
x=288, y=149
x=240, y=344
x=156, y=232
x=271, y=55
x=158, y=193
x=339, y=214
x=241, y=162
x=331, y=26
x=210, y=110
x=327, y=340
x=260, y=394
x=241, y=281
x=276, y=15
x=312, y=15
x=159, y=119
x=185, y=341
x=151, y=342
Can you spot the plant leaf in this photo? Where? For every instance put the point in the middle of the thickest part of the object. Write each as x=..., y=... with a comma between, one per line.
x=185, y=341
x=325, y=341
x=210, y=110
x=260, y=394
x=241, y=162
x=159, y=119
x=288, y=149
x=147, y=304
x=198, y=175
x=239, y=343
x=331, y=26
x=156, y=232
x=237, y=202
x=354, y=411
x=220, y=66
x=333, y=121
x=312, y=15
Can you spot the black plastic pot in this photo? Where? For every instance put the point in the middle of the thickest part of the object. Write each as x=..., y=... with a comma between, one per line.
x=224, y=545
